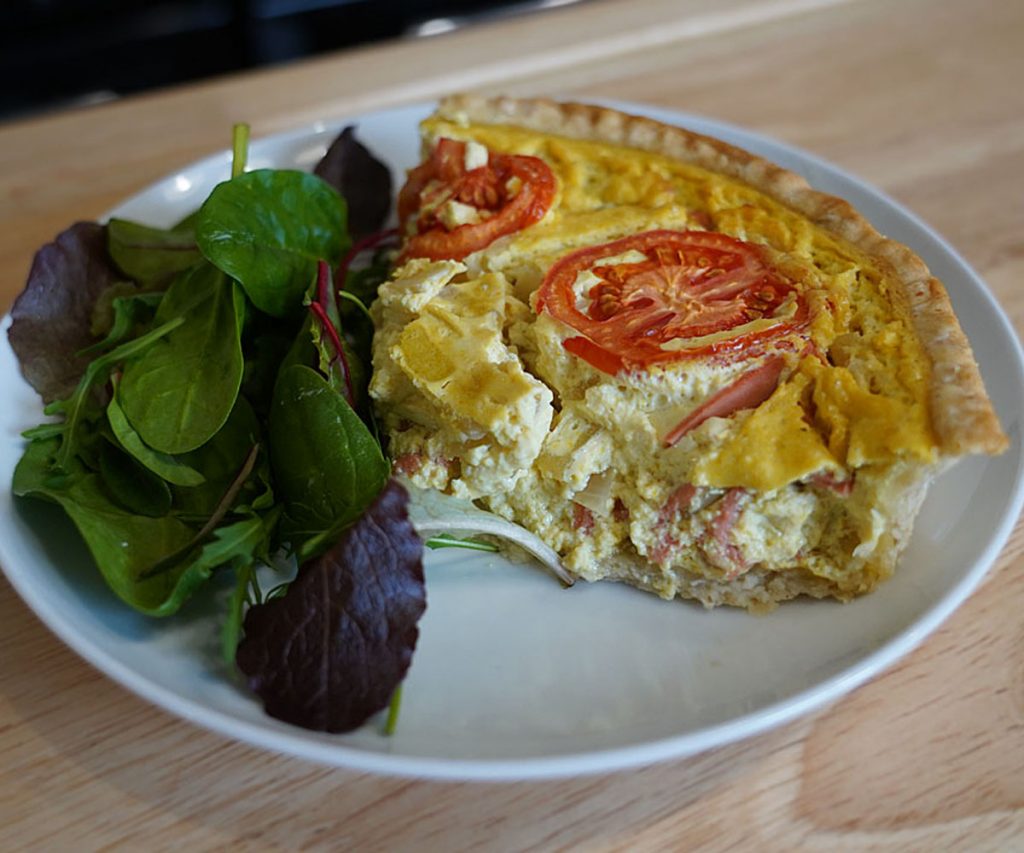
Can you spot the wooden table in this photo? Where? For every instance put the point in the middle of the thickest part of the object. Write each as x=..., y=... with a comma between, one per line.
x=924, y=99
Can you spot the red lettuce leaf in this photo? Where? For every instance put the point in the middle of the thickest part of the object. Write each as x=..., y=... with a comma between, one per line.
x=362, y=179
x=52, y=316
x=330, y=652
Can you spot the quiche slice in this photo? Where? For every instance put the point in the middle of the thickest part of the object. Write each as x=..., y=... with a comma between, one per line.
x=676, y=363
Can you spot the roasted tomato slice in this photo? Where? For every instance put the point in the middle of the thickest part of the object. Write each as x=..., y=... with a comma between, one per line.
x=664, y=296
x=450, y=211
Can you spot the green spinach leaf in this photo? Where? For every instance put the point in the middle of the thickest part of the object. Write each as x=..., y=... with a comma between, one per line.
x=219, y=461
x=168, y=467
x=267, y=229
x=151, y=255
x=122, y=543
x=327, y=466
x=180, y=393
x=131, y=485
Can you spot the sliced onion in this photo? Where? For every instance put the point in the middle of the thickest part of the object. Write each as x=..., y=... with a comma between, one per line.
x=597, y=494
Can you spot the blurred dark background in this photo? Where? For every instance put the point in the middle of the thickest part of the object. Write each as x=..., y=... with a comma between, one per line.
x=56, y=53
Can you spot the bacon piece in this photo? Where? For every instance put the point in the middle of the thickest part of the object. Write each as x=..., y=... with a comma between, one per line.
x=680, y=499
x=726, y=554
x=663, y=549
x=409, y=463
x=620, y=512
x=582, y=519
x=748, y=391
x=827, y=480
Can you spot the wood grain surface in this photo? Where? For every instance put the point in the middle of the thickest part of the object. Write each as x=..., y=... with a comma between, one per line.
x=924, y=99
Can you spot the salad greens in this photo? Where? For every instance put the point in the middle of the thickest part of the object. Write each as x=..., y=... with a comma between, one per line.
x=210, y=417
x=348, y=619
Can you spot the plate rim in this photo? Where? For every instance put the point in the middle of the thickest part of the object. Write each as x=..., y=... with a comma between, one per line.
x=301, y=745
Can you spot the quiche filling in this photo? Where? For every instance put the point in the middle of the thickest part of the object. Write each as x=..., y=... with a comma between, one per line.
x=670, y=376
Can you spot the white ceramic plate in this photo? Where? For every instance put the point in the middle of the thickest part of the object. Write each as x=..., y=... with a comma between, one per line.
x=514, y=677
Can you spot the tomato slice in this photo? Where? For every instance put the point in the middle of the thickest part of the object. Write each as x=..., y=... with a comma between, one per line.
x=664, y=296
x=506, y=195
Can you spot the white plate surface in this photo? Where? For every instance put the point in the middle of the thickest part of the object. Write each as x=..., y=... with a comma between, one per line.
x=514, y=677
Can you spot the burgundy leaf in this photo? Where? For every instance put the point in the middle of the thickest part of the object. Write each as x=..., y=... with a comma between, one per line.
x=363, y=180
x=332, y=650
x=53, y=314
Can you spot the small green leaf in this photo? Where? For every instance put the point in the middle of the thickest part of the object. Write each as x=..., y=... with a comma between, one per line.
x=125, y=312
x=224, y=506
x=220, y=460
x=443, y=540
x=37, y=433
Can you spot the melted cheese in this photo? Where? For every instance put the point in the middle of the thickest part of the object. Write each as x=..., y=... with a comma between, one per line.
x=774, y=446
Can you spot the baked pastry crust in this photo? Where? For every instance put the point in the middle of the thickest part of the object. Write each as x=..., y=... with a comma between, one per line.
x=962, y=415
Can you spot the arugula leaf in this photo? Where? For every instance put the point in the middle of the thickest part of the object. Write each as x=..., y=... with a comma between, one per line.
x=332, y=650
x=123, y=313
x=77, y=408
x=326, y=464
x=179, y=394
x=267, y=229
x=151, y=255
x=231, y=631
x=241, y=537
x=363, y=181
x=52, y=315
